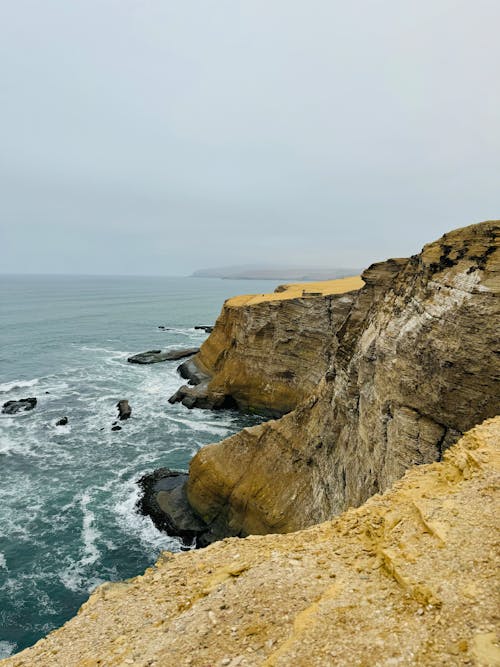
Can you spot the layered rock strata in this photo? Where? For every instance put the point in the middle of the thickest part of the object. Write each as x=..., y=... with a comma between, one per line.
x=268, y=352
x=407, y=579
x=412, y=363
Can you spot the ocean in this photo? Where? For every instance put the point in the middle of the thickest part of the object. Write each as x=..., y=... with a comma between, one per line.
x=68, y=493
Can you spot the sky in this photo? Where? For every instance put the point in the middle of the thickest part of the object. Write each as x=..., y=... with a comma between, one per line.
x=160, y=136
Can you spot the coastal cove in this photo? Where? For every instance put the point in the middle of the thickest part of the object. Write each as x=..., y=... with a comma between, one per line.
x=68, y=493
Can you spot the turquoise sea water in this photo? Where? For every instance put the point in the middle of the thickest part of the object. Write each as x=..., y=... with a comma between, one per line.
x=68, y=494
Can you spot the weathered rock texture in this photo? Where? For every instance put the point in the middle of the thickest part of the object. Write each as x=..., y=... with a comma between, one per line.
x=407, y=579
x=157, y=356
x=413, y=364
x=21, y=405
x=268, y=352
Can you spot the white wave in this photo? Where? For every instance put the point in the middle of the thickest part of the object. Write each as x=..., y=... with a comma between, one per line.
x=6, y=649
x=5, y=387
x=74, y=577
x=90, y=534
x=204, y=427
x=53, y=389
x=138, y=526
x=86, y=348
x=62, y=430
x=3, y=562
x=6, y=445
x=184, y=331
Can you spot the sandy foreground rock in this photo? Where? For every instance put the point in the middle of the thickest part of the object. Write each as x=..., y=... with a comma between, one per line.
x=409, y=578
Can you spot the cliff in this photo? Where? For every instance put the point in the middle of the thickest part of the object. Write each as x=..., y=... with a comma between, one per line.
x=411, y=362
x=268, y=352
x=406, y=579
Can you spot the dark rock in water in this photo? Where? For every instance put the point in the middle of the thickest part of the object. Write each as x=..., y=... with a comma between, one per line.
x=62, y=422
x=124, y=410
x=155, y=356
x=205, y=327
x=116, y=428
x=164, y=499
x=199, y=397
x=22, y=405
x=190, y=372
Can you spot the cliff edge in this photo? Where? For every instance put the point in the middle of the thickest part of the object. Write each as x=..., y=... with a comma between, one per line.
x=267, y=352
x=406, y=579
x=409, y=362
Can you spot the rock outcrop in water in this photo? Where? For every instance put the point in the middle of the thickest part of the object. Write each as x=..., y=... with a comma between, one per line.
x=21, y=405
x=411, y=362
x=406, y=579
x=164, y=499
x=156, y=356
x=124, y=410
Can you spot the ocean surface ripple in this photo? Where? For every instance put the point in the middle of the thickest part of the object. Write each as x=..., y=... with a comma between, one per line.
x=68, y=493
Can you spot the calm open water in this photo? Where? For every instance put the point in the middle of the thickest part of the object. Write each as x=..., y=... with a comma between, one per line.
x=68, y=494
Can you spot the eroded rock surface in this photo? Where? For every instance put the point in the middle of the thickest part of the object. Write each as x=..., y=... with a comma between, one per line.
x=268, y=352
x=156, y=356
x=412, y=363
x=124, y=410
x=163, y=498
x=21, y=405
x=407, y=579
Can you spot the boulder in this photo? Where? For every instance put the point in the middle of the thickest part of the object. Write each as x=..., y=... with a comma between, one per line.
x=205, y=327
x=199, y=397
x=124, y=410
x=191, y=372
x=62, y=422
x=155, y=356
x=22, y=405
x=164, y=500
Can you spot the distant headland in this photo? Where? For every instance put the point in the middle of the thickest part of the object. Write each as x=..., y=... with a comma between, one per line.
x=261, y=272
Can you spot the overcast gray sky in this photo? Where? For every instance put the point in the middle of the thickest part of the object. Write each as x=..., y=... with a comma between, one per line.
x=161, y=136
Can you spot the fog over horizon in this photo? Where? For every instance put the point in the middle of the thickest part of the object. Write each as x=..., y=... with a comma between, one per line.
x=154, y=137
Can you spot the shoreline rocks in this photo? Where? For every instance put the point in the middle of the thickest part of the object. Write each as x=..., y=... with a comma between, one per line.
x=164, y=500
x=157, y=356
x=20, y=405
x=124, y=410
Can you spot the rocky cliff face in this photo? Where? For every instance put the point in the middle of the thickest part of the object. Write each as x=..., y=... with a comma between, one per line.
x=412, y=363
x=268, y=352
x=405, y=580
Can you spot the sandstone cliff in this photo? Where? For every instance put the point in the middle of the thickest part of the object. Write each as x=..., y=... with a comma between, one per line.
x=268, y=352
x=412, y=363
x=407, y=579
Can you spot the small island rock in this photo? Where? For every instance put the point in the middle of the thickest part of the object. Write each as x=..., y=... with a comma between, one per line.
x=22, y=405
x=155, y=356
x=124, y=410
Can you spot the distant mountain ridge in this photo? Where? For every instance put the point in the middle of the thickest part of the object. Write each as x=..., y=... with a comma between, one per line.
x=275, y=273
